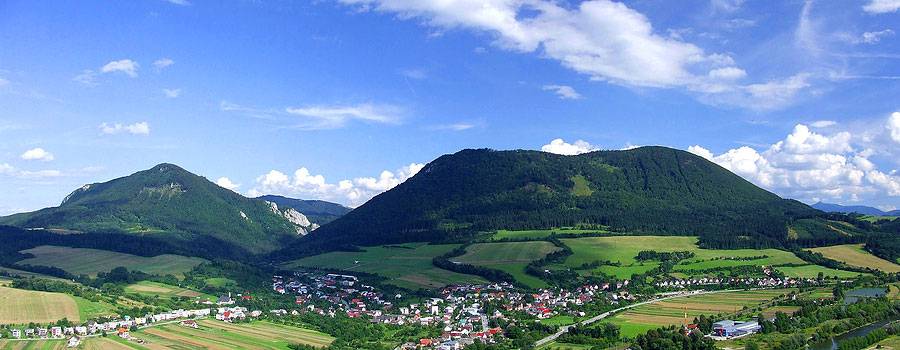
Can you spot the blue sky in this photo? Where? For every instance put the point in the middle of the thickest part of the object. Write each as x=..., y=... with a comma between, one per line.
x=341, y=100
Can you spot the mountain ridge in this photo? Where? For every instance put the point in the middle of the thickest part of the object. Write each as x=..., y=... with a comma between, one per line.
x=859, y=209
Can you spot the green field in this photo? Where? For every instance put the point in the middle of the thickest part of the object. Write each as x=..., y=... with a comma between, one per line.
x=78, y=261
x=873, y=218
x=539, y=234
x=20, y=273
x=23, y=306
x=855, y=255
x=683, y=310
x=165, y=291
x=510, y=257
x=623, y=249
x=812, y=271
x=220, y=335
x=407, y=266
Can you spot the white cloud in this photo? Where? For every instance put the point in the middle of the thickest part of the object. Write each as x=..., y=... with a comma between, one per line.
x=9, y=170
x=823, y=123
x=87, y=77
x=603, y=39
x=454, y=127
x=332, y=117
x=171, y=93
x=882, y=6
x=37, y=154
x=163, y=63
x=558, y=146
x=227, y=183
x=3, y=82
x=894, y=126
x=564, y=92
x=179, y=2
x=874, y=37
x=415, y=73
x=140, y=128
x=809, y=166
x=727, y=73
x=126, y=66
x=353, y=192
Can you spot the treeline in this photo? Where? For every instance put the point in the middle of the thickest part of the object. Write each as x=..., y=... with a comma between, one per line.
x=819, y=259
x=560, y=278
x=862, y=342
x=645, y=255
x=670, y=338
x=602, y=335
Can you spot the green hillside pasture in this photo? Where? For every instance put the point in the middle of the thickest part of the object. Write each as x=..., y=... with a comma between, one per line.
x=623, y=249
x=220, y=335
x=110, y=343
x=23, y=306
x=164, y=291
x=539, y=234
x=672, y=312
x=873, y=218
x=812, y=271
x=20, y=273
x=511, y=257
x=79, y=261
x=406, y=266
x=854, y=255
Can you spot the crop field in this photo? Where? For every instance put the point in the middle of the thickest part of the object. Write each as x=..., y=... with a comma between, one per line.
x=539, y=234
x=683, y=310
x=79, y=261
x=221, y=335
x=23, y=306
x=854, y=255
x=165, y=291
x=20, y=273
x=407, y=266
x=511, y=257
x=623, y=249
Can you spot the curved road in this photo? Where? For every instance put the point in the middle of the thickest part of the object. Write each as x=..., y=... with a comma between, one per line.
x=599, y=317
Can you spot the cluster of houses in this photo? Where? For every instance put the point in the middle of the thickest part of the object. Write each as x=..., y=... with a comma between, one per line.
x=122, y=327
x=760, y=282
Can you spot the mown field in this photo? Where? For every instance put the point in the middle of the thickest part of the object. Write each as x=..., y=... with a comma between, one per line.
x=683, y=310
x=23, y=306
x=510, y=257
x=539, y=234
x=220, y=335
x=407, y=265
x=812, y=271
x=623, y=249
x=164, y=291
x=80, y=261
x=855, y=255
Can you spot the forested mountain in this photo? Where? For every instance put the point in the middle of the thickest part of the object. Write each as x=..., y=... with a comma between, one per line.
x=319, y=212
x=654, y=190
x=847, y=209
x=168, y=202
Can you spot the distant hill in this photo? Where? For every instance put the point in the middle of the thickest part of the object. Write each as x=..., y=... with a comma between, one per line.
x=645, y=190
x=318, y=211
x=859, y=209
x=171, y=203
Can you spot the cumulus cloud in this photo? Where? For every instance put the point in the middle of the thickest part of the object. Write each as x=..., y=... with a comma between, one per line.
x=139, y=128
x=126, y=66
x=894, y=126
x=352, y=192
x=809, y=166
x=163, y=63
x=227, y=183
x=171, y=93
x=37, y=154
x=559, y=146
x=882, y=6
x=606, y=40
x=564, y=92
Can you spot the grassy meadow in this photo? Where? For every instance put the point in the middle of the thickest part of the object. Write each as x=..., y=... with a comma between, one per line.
x=78, y=261
x=539, y=234
x=683, y=310
x=164, y=291
x=510, y=257
x=220, y=335
x=855, y=255
x=407, y=265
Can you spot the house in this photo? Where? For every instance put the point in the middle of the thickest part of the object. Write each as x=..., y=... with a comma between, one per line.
x=190, y=323
x=122, y=332
x=42, y=332
x=56, y=332
x=16, y=333
x=73, y=342
x=81, y=330
x=731, y=329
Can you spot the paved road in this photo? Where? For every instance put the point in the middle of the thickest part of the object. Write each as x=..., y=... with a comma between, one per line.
x=599, y=317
